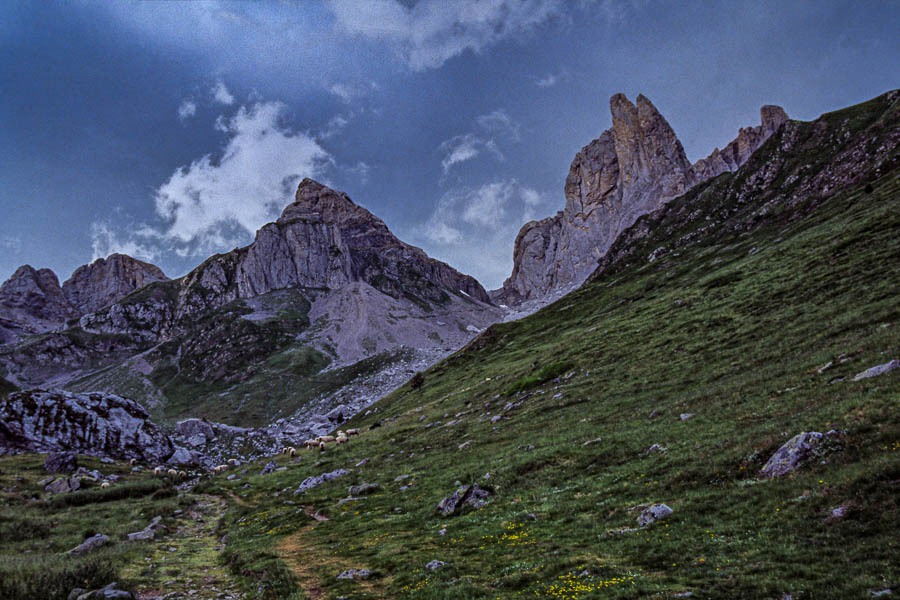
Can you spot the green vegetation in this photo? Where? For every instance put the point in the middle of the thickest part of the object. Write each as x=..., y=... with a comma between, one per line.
x=36, y=528
x=542, y=375
x=733, y=329
x=733, y=324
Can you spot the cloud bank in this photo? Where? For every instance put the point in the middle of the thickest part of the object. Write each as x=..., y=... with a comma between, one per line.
x=218, y=202
x=431, y=32
x=474, y=228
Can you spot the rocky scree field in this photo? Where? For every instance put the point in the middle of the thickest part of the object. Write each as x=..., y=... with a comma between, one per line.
x=617, y=437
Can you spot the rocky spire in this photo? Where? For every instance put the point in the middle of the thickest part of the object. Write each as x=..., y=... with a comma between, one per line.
x=31, y=301
x=631, y=169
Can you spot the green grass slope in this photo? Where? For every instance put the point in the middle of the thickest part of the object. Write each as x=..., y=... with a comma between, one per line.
x=731, y=325
x=758, y=279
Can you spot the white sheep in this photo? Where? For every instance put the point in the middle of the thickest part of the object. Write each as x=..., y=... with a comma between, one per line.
x=352, y=432
x=322, y=446
x=284, y=449
x=292, y=453
x=340, y=440
x=325, y=438
x=182, y=474
x=233, y=462
x=311, y=444
x=132, y=462
x=104, y=485
x=220, y=468
x=158, y=471
x=172, y=473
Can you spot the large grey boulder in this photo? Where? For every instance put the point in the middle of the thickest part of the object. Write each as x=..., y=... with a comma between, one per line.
x=467, y=495
x=792, y=454
x=311, y=482
x=185, y=457
x=653, y=513
x=63, y=485
x=61, y=462
x=195, y=427
x=92, y=543
x=97, y=424
x=149, y=532
x=878, y=370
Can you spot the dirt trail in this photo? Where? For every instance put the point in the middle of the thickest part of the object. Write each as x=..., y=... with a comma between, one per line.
x=186, y=559
x=303, y=558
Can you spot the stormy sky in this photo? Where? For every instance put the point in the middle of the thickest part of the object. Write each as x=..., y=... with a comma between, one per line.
x=170, y=131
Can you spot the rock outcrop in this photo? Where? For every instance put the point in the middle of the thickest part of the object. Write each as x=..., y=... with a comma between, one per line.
x=95, y=424
x=630, y=170
x=32, y=301
x=108, y=280
x=325, y=240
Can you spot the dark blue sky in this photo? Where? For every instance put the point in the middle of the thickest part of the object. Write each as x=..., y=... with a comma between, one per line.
x=173, y=130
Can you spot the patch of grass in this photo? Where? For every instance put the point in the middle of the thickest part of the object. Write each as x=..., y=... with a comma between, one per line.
x=542, y=375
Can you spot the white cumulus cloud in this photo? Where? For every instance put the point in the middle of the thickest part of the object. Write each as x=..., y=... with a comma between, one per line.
x=221, y=95
x=217, y=202
x=460, y=148
x=474, y=228
x=186, y=110
x=206, y=202
x=430, y=32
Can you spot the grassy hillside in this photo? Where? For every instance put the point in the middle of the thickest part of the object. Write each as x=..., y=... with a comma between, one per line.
x=763, y=280
x=733, y=328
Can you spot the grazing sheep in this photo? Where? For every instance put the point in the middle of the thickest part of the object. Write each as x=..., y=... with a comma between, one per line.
x=340, y=440
x=353, y=432
x=340, y=433
x=325, y=438
x=311, y=444
x=233, y=462
x=182, y=474
x=104, y=485
x=172, y=473
x=292, y=453
x=158, y=471
x=132, y=462
x=322, y=446
x=284, y=449
x=220, y=468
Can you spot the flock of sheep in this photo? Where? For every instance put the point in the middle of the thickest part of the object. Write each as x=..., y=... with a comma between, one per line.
x=320, y=442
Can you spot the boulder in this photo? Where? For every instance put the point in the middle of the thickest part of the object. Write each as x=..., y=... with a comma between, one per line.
x=95, y=423
x=149, y=532
x=339, y=414
x=109, y=592
x=364, y=488
x=185, y=457
x=195, y=427
x=269, y=468
x=792, y=454
x=467, y=495
x=63, y=485
x=311, y=482
x=653, y=513
x=435, y=564
x=61, y=462
x=878, y=370
x=355, y=574
x=92, y=543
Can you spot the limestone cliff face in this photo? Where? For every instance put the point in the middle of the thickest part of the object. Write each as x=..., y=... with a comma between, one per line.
x=108, y=280
x=323, y=240
x=31, y=301
x=630, y=170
